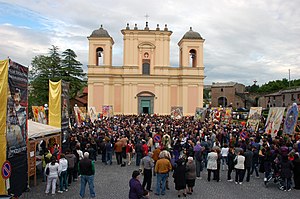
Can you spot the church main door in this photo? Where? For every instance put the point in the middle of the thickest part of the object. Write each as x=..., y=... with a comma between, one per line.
x=145, y=103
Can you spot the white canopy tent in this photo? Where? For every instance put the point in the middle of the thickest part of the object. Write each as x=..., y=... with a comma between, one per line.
x=37, y=130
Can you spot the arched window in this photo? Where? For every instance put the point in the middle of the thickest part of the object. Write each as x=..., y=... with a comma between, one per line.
x=99, y=56
x=146, y=67
x=193, y=58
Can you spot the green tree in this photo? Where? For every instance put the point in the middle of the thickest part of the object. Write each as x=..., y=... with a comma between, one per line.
x=54, y=67
x=72, y=71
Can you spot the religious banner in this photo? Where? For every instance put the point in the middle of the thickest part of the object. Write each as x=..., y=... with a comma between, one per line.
x=16, y=131
x=291, y=119
x=215, y=114
x=65, y=104
x=39, y=114
x=3, y=111
x=176, y=112
x=92, y=113
x=55, y=103
x=274, y=120
x=107, y=111
x=226, y=116
x=254, y=118
x=200, y=114
x=83, y=113
x=78, y=116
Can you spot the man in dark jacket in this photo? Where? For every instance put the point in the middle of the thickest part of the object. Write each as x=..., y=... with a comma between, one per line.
x=248, y=162
x=87, y=172
x=136, y=190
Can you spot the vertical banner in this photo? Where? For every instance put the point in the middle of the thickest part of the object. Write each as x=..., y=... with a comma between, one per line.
x=107, y=111
x=83, y=113
x=274, y=120
x=65, y=104
x=254, y=118
x=200, y=114
x=216, y=113
x=176, y=112
x=3, y=110
x=16, y=121
x=291, y=119
x=55, y=103
x=78, y=116
x=92, y=113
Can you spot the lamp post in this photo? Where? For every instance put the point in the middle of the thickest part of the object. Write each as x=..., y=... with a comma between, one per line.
x=46, y=112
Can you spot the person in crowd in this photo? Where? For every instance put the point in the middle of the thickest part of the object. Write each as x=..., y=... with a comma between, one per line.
x=296, y=171
x=138, y=152
x=129, y=151
x=52, y=170
x=255, y=161
x=179, y=177
x=231, y=156
x=79, y=156
x=162, y=168
x=71, y=158
x=248, y=162
x=46, y=158
x=145, y=148
x=87, y=172
x=212, y=164
x=224, y=153
x=239, y=167
x=136, y=190
x=286, y=173
x=109, y=151
x=198, y=151
x=147, y=165
x=190, y=175
x=63, y=164
x=118, y=150
x=93, y=153
x=155, y=156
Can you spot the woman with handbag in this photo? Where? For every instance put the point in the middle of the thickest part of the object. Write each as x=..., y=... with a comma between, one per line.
x=52, y=170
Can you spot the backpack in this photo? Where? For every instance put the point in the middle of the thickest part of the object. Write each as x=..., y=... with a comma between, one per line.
x=47, y=159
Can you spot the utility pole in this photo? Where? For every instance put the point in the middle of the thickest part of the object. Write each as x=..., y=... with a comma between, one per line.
x=289, y=78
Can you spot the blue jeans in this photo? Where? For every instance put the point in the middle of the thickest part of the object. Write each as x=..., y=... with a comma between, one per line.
x=63, y=181
x=161, y=179
x=109, y=157
x=90, y=180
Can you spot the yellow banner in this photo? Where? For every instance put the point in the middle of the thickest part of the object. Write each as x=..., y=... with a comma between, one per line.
x=55, y=103
x=3, y=110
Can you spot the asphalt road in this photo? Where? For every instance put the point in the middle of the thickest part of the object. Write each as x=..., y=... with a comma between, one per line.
x=111, y=182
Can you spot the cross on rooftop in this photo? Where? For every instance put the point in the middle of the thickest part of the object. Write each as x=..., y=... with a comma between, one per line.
x=147, y=17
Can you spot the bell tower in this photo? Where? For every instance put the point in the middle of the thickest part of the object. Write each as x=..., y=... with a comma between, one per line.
x=191, y=50
x=100, y=48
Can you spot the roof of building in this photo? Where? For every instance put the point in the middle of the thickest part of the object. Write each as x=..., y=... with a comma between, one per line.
x=278, y=93
x=191, y=35
x=101, y=32
x=223, y=84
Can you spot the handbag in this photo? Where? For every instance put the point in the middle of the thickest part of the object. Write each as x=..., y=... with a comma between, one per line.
x=47, y=170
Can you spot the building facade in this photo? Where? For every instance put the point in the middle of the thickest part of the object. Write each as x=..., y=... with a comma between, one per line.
x=145, y=83
x=283, y=98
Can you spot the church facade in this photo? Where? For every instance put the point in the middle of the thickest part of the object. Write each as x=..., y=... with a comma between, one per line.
x=145, y=83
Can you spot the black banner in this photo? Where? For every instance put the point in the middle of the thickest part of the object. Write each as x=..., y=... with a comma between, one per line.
x=65, y=106
x=17, y=107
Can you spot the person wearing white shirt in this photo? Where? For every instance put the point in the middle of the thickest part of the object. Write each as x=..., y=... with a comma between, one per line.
x=224, y=153
x=54, y=170
x=63, y=164
x=239, y=167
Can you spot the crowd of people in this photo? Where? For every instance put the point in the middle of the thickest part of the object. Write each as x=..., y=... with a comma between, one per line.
x=175, y=150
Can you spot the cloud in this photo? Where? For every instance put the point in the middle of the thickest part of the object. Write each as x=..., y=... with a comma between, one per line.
x=244, y=40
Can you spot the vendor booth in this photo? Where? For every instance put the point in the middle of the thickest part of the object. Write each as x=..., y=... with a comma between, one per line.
x=37, y=133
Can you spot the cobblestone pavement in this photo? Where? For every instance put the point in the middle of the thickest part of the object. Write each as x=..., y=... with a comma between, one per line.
x=111, y=182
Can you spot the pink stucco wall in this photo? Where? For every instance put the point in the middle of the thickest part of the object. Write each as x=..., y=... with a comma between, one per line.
x=117, y=103
x=193, y=98
x=98, y=97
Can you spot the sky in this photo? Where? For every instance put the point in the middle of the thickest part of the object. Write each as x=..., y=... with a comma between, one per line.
x=244, y=40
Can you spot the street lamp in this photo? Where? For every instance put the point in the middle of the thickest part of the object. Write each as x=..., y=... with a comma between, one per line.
x=46, y=112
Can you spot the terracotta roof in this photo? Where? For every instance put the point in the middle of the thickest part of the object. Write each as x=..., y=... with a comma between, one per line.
x=81, y=100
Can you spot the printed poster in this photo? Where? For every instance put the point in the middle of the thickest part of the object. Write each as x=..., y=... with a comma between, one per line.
x=200, y=114
x=107, y=111
x=65, y=104
x=226, y=116
x=291, y=119
x=254, y=117
x=92, y=113
x=39, y=114
x=274, y=120
x=176, y=112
